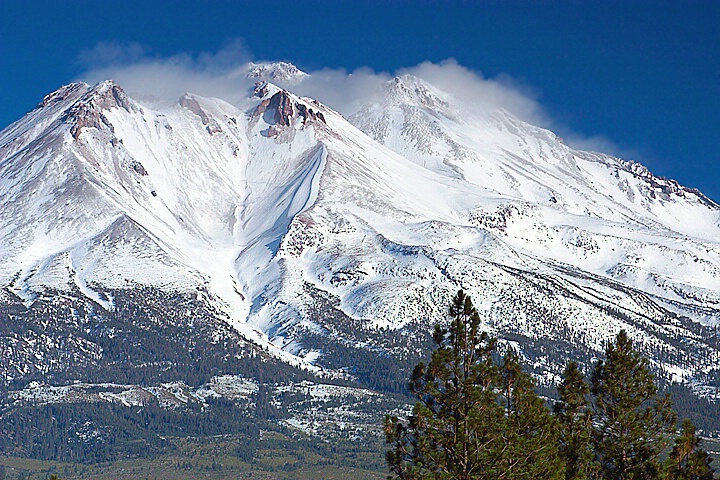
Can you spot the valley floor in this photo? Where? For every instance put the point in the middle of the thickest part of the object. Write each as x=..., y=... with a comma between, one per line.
x=279, y=458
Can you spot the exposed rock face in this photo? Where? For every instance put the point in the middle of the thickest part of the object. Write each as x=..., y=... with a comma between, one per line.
x=62, y=94
x=111, y=96
x=88, y=112
x=285, y=108
x=139, y=169
x=261, y=89
x=309, y=113
x=191, y=103
x=664, y=187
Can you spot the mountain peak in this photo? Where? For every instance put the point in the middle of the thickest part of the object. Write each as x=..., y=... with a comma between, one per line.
x=277, y=71
x=64, y=93
x=325, y=234
x=87, y=112
x=409, y=89
x=108, y=94
x=283, y=107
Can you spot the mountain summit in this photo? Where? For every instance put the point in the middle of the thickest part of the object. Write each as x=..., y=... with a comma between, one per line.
x=325, y=239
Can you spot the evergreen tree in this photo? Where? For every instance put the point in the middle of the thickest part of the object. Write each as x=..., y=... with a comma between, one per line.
x=631, y=421
x=454, y=431
x=687, y=461
x=575, y=418
x=473, y=420
x=531, y=432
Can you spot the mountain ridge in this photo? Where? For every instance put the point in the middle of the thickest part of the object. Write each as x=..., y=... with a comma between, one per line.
x=312, y=232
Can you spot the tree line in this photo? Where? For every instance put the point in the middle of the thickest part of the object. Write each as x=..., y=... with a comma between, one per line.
x=478, y=417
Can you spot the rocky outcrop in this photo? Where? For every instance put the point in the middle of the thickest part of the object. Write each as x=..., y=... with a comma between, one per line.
x=191, y=103
x=285, y=109
x=261, y=89
x=88, y=112
x=139, y=169
x=661, y=186
x=63, y=93
x=282, y=104
x=308, y=113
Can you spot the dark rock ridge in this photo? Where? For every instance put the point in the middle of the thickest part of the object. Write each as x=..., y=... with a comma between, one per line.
x=88, y=111
x=261, y=89
x=139, y=169
x=284, y=108
x=665, y=186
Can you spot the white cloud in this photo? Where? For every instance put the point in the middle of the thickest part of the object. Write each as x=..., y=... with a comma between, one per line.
x=340, y=90
x=168, y=78
x=479, y=92
x=111, y=53
x=222, y=74
x=599, y=143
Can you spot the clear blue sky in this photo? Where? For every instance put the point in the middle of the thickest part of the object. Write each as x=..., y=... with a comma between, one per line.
x=645, y=74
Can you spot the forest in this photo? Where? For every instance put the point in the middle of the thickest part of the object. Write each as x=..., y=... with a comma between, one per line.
x=478, y=417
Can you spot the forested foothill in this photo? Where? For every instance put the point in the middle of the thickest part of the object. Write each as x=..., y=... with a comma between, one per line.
x=155, y=341
x=478, y=416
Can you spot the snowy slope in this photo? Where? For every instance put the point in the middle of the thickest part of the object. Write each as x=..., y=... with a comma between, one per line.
x=592, y=211
x=312, y=232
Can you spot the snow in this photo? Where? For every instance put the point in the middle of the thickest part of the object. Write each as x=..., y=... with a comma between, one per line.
x=389, y=212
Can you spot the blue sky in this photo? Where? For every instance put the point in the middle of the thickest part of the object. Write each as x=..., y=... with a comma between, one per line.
x=636, y=78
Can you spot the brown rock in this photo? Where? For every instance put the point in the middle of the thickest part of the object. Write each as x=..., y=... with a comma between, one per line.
x=88, y=112
x=282, y=104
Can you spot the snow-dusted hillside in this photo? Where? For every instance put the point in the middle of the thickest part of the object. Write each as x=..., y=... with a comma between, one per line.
x=315, y=235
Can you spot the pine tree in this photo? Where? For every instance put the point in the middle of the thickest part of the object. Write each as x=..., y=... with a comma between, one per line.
x=575, y=418
x=531, y=432
x=473, y=420
x=631, y=421
x=454, y=431
x=688, y=461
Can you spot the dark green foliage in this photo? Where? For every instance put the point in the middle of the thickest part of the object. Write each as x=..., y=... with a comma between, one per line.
x=688, y=461
x=462, y=428
x=632, y=423
x=530, y=434
x=381, y=359
x=575, y=417
x=264, y=407
x=150, y=337
x=454, y=431
x=702, y=411
x=89, y=432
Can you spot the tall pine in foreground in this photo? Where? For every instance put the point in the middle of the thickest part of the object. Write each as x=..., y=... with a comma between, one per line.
x=473, y=419
x=632, y=423
x=530, y=434
x=575, y=417
x=454, y=430
x=687, y=461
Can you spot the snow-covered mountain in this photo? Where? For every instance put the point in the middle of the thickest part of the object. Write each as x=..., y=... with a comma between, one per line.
x=322, y=238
